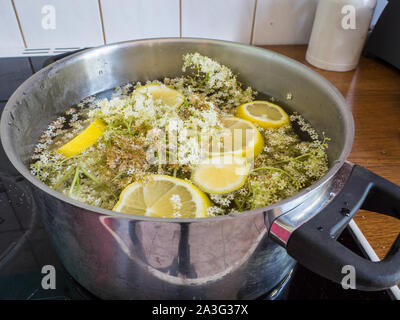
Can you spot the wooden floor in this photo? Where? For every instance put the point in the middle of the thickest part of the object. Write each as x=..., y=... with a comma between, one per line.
x=373, y=93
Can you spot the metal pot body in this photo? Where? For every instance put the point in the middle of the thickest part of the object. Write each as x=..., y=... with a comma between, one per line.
x=123, y=256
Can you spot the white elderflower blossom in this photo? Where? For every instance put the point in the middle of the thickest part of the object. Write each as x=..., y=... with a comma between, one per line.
x=223, y=200
x=70, y=111
x=179, y=136
x=177, y=205
x=130, y=171
x=176, y=201
x=214, y=211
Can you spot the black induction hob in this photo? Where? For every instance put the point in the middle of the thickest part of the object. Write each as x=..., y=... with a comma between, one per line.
x=25, y=247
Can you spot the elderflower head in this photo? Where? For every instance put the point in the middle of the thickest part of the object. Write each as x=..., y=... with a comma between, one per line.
x=177, y=205
x=130, y=171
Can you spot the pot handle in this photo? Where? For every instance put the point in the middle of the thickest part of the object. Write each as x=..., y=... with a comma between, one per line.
x=314, y=244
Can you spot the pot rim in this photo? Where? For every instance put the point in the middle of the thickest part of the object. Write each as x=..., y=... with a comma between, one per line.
x=32, y=81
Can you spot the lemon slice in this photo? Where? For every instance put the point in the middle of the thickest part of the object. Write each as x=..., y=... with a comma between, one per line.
x=219, y=175
x=264, y=113
x=163, y=93
x=239, y=137
x=84, y=140
x=164, y=197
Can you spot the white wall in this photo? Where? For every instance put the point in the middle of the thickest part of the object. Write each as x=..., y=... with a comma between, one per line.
x=53, y=26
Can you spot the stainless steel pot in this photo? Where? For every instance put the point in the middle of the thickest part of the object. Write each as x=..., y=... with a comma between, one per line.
x=240, y=257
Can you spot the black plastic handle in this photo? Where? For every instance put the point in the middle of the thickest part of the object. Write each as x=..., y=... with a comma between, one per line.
x=314, y=244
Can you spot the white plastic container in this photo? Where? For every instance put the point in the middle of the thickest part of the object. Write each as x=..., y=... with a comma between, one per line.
x=339, y=33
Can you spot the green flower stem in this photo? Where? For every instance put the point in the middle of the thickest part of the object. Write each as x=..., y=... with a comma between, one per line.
x=309, y=154
x=171, y=156
x=253, y=200
x=78, y=185
x=303, y=156
x=238, y=204
x=253, y=195
x=66, y=175
x=109, y=190
x=205, y=79
x=74, y=181
x=89, y=175
x=73, y=157
x=278, y=170
x=102, y=185
x=117, y=176
x=129, y=126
